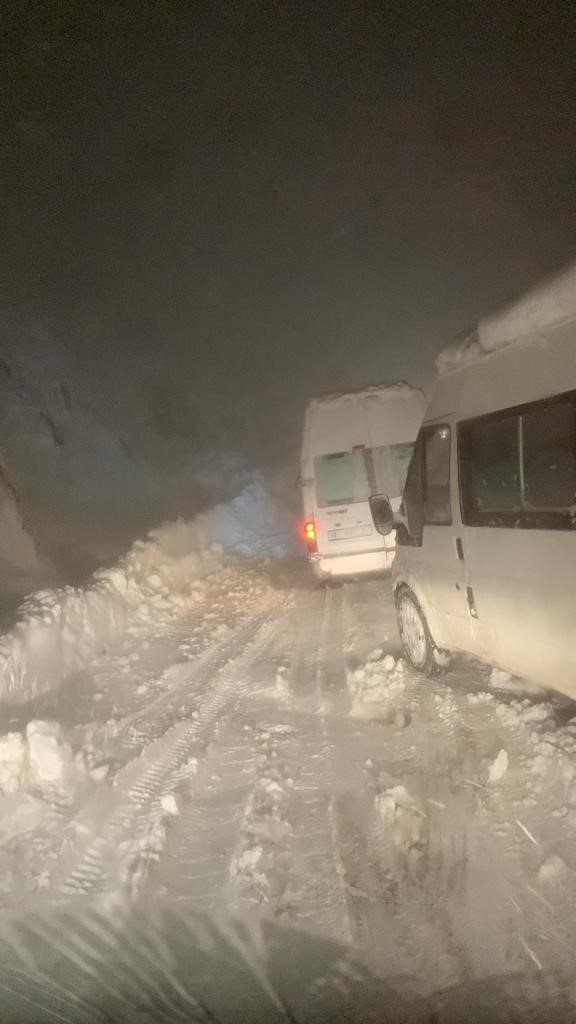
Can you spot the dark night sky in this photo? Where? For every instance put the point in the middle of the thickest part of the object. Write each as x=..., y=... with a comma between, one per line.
x=254, y=201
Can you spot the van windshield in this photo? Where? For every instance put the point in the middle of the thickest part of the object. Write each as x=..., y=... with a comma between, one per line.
x=343, y=478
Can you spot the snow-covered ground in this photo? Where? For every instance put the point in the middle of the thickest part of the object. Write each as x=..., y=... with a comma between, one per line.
x=215, y=732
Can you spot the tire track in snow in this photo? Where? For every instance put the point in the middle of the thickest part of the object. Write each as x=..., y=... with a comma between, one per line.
x=373, y=880
x=185, y=684
x=259, y=829
x=195, y=863
x=224, y=853
x=315, y=894
x=369, y=620
x=114, y=823
x=205, y=862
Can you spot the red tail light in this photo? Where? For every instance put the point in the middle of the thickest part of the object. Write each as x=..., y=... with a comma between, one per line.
x=309, y=534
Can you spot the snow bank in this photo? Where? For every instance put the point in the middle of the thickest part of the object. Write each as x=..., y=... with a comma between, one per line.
x=63, y=630
x=545, y=306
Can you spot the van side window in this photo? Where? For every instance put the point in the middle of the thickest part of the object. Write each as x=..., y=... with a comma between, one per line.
x=518, y=467
x=549, y=448
x=490, y=464
x=437, y=506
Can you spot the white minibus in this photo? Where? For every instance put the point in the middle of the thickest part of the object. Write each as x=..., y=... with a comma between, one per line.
x=486, y=532
x=354, y=445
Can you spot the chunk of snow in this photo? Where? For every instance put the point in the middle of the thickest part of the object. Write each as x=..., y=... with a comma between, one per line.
x=272, y=789
x=552, y=872
x=403, y=819
x=376, y=688
x=48, y=760
x=537, y=713
x=12, y=752
x=247, y=860
x=170, y=805
x=498, y=678
x=499, y=767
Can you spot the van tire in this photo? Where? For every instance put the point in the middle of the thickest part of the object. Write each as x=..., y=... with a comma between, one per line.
x=417, y=642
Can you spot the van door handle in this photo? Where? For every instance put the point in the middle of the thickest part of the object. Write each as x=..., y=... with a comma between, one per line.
x=459, y=549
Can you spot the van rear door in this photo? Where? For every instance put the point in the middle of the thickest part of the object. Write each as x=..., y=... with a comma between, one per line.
x=343, y=518
x=344, y=482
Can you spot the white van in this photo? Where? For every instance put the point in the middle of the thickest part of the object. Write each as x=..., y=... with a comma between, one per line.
x=486, y=534
x=354, y=444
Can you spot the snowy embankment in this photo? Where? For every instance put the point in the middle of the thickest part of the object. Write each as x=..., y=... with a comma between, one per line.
x=62, y=631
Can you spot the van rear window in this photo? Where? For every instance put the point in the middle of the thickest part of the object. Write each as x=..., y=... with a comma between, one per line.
x=343, y=478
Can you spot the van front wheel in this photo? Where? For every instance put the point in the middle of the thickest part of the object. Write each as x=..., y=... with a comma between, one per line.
x=414, y=633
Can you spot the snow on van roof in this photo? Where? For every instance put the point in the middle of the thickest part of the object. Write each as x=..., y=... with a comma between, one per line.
x=545, y=306
x=375, y=391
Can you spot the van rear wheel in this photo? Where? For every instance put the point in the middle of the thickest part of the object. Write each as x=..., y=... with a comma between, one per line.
x=414, y=633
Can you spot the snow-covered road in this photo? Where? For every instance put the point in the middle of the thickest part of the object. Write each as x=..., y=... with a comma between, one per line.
x=268, y=750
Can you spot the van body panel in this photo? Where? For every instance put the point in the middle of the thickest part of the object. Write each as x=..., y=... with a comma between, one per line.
x=355, y=443
x=499, y=581
x=524, y=588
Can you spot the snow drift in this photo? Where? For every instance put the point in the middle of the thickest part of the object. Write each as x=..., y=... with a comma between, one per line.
x=63, y=630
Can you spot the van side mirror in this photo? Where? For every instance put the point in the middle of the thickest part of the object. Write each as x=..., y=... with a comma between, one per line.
x=382, y=513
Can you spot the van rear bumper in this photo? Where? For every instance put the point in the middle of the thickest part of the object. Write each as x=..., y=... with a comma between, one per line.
x=325, y=567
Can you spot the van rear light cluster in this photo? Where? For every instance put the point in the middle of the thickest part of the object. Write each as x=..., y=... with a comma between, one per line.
x=309, y=534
